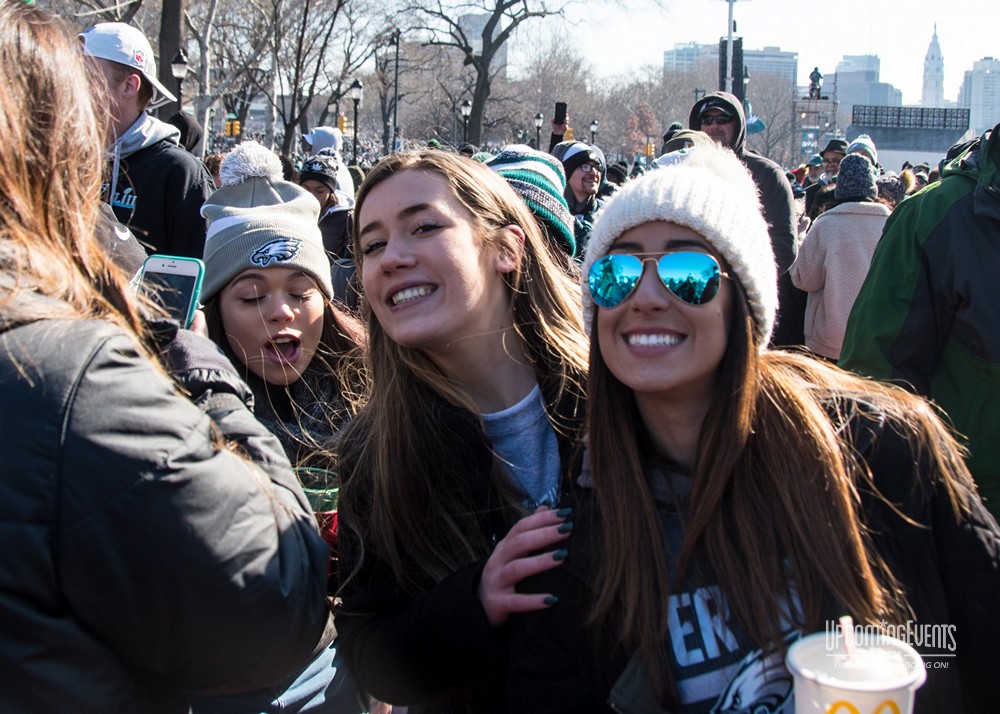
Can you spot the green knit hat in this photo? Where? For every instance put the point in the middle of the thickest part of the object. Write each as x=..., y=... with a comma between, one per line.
x=539, y=179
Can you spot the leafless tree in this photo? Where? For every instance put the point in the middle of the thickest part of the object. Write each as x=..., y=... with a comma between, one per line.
x=772, y=99
x=448, y=24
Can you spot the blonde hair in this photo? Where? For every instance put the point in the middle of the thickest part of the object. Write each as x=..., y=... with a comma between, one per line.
x=50, y=173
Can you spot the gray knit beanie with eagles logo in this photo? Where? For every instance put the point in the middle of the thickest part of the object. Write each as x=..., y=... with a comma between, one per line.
x=257, y=220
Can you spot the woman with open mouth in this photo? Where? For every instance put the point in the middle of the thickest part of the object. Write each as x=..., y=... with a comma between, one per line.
x=453, y=470
x=268, y=304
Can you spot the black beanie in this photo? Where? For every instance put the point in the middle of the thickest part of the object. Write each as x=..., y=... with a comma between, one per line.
x=322, y=168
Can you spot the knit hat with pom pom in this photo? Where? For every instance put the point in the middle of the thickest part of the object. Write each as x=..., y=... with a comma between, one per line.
x=257, y=221
x=710, y=191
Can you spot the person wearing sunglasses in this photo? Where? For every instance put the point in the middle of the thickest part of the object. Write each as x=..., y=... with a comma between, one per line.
x=721, y=116
x=734, y=498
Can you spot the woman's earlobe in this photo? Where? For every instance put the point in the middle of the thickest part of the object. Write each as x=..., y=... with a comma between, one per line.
x=510, y=248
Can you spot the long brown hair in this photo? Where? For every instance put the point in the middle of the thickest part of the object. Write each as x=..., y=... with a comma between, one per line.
x=50, y=176
x=774, y=507
x=401, y=503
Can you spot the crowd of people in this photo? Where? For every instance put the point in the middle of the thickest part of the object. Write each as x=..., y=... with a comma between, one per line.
x=478, y=431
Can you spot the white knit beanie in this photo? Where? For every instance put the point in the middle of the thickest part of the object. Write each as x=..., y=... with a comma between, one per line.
x=257, y=220
x=711, y=192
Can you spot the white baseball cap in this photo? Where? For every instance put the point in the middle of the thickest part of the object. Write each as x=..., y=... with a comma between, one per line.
x=124, y=44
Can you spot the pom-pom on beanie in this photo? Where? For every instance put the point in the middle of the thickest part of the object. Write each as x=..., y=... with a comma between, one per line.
x=257, y=220
x=710, y=192
x=539, y=179
x=856, y=178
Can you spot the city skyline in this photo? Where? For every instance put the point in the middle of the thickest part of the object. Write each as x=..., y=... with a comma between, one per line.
x=616, y=42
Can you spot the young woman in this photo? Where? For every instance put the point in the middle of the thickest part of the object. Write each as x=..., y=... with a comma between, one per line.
x=736, y=498
x=142, y=560
x=267, y=296
x=451, y=471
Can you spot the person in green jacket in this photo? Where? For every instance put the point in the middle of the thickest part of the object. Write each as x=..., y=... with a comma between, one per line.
x=927, y=315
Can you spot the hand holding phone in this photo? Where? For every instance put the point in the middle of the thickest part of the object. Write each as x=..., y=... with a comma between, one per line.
x=174, y=282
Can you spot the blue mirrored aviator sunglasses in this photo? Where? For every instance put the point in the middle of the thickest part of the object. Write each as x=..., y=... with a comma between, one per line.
x=690, y=276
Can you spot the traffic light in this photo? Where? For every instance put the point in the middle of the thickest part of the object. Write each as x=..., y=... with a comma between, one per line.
x=229, y=128
x=737, y=66
x=236, y=128
x=342, y=123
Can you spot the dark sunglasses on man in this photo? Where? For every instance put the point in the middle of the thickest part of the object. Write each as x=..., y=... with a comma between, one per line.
x=710, y=119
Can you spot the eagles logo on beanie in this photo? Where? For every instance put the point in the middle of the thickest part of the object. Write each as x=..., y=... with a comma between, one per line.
x=710, y=191
x=258, y=220
x=539, y=179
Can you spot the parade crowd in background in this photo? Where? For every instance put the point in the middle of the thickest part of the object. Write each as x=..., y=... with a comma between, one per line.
x=464, y=430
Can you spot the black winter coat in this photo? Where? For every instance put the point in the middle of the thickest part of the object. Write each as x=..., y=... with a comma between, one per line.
x=139, y=560
x=436, y=652
x=159, y=195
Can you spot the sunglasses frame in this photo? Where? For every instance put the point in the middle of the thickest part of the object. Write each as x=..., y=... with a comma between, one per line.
x=656, y=258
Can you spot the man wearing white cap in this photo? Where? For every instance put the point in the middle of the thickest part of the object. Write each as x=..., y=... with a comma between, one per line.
x=155, y=187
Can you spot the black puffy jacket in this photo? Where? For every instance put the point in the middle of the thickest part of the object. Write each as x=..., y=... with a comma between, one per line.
x=141, y=561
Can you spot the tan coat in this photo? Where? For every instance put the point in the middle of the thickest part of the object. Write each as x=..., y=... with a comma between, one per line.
x=832, y=263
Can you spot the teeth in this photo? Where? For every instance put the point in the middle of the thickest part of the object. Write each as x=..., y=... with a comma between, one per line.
x=283, y=340
x=653, y=340
x=410, y=294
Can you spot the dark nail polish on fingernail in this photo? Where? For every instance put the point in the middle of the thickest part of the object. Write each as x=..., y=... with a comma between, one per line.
x=551, y=600
x=566, y=527
x=560, y=555
x=564, y=512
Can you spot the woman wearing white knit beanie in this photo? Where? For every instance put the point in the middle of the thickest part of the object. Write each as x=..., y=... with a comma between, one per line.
x=732, y=496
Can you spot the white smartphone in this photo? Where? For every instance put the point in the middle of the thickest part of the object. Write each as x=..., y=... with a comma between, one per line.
x=175, y=283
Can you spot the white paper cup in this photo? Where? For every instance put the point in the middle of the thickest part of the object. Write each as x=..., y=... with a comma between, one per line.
x=881, y=676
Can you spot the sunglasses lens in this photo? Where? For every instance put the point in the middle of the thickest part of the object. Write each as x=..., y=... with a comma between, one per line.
x=613, y=278
x=692, y=277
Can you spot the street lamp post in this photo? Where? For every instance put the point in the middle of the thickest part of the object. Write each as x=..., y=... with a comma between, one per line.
x=178, y=68
x=538, y=130
x=357, y=92
x=395, y=96
x=593, y=130
x=466, y=109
